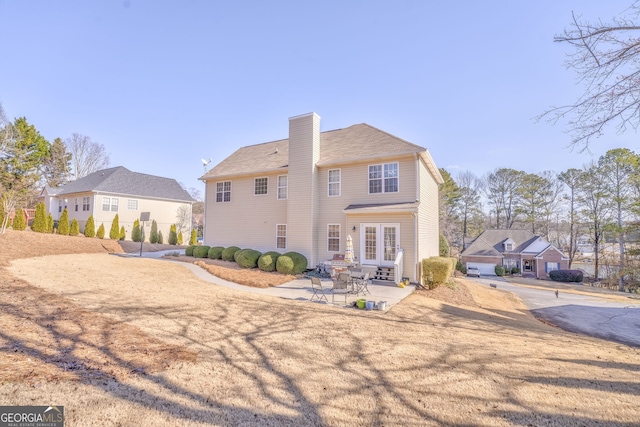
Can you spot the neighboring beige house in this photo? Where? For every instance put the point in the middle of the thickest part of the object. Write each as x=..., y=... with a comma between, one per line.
x=533, y=255
x=309, y=192
x=108, y=192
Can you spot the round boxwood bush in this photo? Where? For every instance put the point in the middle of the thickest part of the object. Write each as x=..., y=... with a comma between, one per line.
x=566, y=275
x=228, y=253
x=267, y=262
x=248, y=258
x=201, y=251
x=216, y=252
x=235, y=254
x=189, y=250
x=291, y=263
x=499, y=270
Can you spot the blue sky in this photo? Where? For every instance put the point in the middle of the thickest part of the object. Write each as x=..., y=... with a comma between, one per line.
x=162, y=84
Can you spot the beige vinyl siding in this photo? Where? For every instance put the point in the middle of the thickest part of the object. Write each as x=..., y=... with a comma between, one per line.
x=428, y=228
x=247, y=221
x=354, y=181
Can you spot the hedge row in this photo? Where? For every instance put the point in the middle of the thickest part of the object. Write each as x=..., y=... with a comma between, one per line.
x=566, y=275
x=437, y=270
x=288, y=263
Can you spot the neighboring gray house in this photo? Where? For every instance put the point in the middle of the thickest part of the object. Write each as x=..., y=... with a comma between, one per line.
x=309, y=192
x=532, y=254
x=117, y=190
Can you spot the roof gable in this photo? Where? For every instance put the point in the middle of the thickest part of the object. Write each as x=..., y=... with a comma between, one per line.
x=491, y=242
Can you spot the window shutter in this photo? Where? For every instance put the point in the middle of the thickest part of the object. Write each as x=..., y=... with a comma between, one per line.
x=546, y=267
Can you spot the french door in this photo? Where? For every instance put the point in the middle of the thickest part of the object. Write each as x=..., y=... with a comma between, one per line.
x=379, y=243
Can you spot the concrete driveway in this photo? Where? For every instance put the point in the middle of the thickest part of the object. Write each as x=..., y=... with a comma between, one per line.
x=585, y=314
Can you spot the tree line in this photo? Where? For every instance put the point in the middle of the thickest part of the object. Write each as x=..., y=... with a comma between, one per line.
x=600, y=201
x=29, y=162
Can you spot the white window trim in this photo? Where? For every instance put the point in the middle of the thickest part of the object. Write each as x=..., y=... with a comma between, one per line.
x=286, y=187
x=88, y=204
x=116, y=204
x=278, y=236
x=104, y=202
x=254, y=186
x=383, y=178
x=129, y=204
x=339, y=237
x=222, y=192
x=339, y=182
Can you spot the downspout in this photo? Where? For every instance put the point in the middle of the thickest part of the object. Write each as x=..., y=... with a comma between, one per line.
x=415, y=221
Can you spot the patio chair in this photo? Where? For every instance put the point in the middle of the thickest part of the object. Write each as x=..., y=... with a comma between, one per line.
x=363, y=285
x=318, y=290
x=341, y=285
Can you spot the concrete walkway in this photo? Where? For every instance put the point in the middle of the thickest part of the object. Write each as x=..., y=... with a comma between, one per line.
x=591, y=315
x=299, y=289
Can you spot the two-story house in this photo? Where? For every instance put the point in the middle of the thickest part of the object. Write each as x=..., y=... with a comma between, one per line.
x=309, y=192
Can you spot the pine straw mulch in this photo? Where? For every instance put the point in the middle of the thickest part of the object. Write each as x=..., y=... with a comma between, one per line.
x=45, y=337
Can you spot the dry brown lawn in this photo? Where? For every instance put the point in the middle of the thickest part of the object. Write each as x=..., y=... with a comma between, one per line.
x=128, y=341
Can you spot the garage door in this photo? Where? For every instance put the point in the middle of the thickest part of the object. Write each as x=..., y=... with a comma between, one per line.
x=486, y=269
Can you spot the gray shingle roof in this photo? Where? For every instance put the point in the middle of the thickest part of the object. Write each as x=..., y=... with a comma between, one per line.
x=490, y=242
x=357, y=142
x=120, y=180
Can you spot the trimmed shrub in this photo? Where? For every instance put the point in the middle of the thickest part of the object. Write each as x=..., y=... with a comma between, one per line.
x=180, y=240
x=248, y=258
x=114, y=233
x=173, y=236
x=153, y=235
x=267, y=262
x=291, y=263
x=444, y=246
x=39, y=223
x=90, y=227
x=515, y=270
x=160, y=238
x=235, y=255
x=50, y=223
x=215, y=252
x=499, y=270
x=461, y=268
x=189, y=250
x=436, y=271
x=201, y=251
x=566, y=275
x=193, y=240
x=100, y=232
x=136, y=232
x=74, y=230
x=19, y=223
x=123, y=233
x=63, y=223
x=228, y=253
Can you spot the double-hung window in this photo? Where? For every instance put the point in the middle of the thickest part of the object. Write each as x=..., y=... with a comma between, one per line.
x=106, y=204
x=551, y=266
x=114, y=204
x=223, y=191
x=132, y=205
x=76, y=204
x=86, y=204
x=334, y=182
x=281, y=236
x=59, y=205
x=383, y=178
x=333, y=237
x=260, y=186
x=282, y=187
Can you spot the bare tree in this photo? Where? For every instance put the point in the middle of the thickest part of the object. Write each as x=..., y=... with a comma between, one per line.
x=572, y=178
x=605, y=57
x=183, y=219
x=469, y=204
x=501, y=190
x=86, y=156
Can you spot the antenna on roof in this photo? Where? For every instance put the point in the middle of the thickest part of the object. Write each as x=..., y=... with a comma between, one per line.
x=205, y=163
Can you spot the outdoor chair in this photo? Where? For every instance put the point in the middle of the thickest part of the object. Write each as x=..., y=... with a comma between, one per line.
x=341, y=285
x=363, y=284
x=318, y=290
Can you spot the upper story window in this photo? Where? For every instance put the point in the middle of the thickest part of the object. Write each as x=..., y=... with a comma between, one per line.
x=132, y=205
x=223, y=191
x=86, y=204
x=334, y=182
x=260, y=186
x=383, y=178
x=282, y=187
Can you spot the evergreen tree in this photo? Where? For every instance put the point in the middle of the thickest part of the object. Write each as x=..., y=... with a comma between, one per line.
x=153, y=236
x=63, y=223
x=90, y=227
x=160, y=239
x=123, y=233
x=114, y=233
x=100, y=232
x=180, y=238
x=193, y=240
x=173, y=237
x=50, y=223
x=75, y=228
x=136, y=233
x=56, y=165
x=39, y=223
x=18, y=221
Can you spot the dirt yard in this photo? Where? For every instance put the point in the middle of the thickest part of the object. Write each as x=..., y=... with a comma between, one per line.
x=129, y=341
